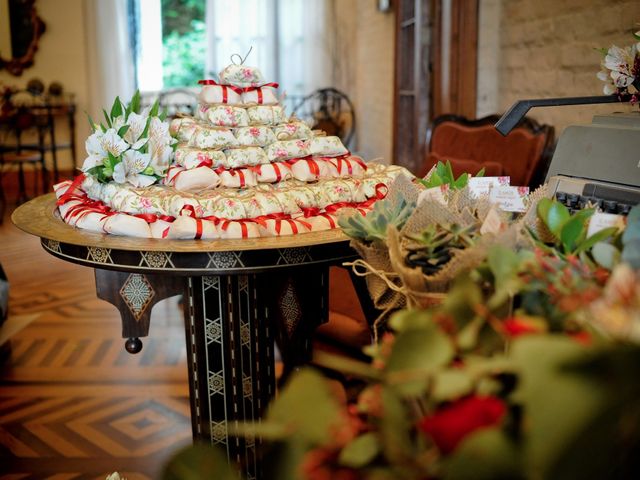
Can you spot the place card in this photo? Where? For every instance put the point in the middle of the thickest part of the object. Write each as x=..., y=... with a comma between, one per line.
x=600, y=221
x=509, y=199
x=436, y=194
x=481, y=185
x=493, y=222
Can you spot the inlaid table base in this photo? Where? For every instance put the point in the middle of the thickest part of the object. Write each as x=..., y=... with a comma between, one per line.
x=232, y=323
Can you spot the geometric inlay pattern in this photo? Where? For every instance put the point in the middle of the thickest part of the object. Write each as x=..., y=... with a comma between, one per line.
x=98, y=254
x=214, y=333
x=156, y=259
x=219, y=432
x=293, y=256
x=290, y=308
x=53, y=245
x=224, y=260
x=216, y=383
x=137, y=293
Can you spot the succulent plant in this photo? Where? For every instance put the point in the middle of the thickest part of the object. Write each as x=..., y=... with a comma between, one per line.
x=432, y=248
x=373, y=226
x=443, y=175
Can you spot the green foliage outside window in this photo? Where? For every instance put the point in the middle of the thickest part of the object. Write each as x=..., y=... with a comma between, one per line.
x=183, y=42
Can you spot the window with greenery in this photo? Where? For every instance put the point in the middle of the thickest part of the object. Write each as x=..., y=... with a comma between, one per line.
x=183, y=42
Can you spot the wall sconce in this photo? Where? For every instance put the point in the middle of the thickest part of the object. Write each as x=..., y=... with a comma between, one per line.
x=384, y=6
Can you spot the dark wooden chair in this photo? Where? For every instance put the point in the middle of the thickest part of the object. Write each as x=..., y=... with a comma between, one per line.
x=470, y=145
x=22, y=142
x=330, y=110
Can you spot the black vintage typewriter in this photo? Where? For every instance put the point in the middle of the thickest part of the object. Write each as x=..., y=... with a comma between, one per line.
x=593, y=165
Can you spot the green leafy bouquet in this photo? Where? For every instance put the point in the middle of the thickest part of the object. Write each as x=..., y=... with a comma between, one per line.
x=132, y=146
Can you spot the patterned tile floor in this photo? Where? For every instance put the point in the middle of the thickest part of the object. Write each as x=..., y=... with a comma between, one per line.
x=73, y=403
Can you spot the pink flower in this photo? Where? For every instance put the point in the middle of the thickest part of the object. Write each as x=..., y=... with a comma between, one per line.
x=281, y=152
x=301, y=144
x=247, y=73
x=254, y=132
x=230, y=203
x=145, y=202
x=291, y=128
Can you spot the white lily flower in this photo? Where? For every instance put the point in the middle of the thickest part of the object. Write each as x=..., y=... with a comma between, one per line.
x=96, y=152
x=136, y=124
x=161, y=155
x=131, y=167
x=117, y=122
x=112, y=143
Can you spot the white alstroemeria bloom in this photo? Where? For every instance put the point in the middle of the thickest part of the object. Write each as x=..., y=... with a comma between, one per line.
x=131, y=167
x=117, y=122
x=96, y=152
x=161, y=155
x=112, y=143
x=136, y=124
x=620, y=62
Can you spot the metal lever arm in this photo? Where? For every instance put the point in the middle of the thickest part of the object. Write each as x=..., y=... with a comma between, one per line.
x=519, y=109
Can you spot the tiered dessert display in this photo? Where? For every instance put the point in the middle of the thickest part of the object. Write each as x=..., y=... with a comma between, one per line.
x=240, y=168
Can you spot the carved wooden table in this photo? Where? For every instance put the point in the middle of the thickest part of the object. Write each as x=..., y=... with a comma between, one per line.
x=239, y=297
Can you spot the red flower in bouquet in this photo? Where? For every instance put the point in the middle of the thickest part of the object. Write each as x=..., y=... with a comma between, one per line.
x=514, y=327
x=452, y=423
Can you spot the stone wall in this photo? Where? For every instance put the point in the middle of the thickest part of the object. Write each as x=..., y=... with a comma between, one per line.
x=365, y=50
x=546, y=48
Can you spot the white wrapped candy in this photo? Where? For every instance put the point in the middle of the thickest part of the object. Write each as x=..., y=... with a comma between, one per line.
x=327, y=147
x=247, y=156
x=309, y=170
x=261, y=95
x=273, y=172
x=213, y=137
x=238, y=229
x=238, y=178
x=200, y=178
x=189, y=157
x=287, y=149
x=223, y=116
x=241, y=76
x=292, y=131
x=321, y=221
x=127, y=225
x=216, y=94
x=349, y=166
x=266, y=115
x=160, y=228
x=92, y=221
x=185, y=227
x=183, y=128
x=284, y=226
x=256, y=136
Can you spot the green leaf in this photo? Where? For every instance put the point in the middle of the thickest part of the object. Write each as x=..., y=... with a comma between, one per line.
x=557, y=216
x=154, y=109
x=199, y=462
x=308, y=406
x=555, y=400
x=116, y=108
x=163, y=114
x=91, y=123
x=462, y=181
x=571, y=232
x=485, y=454
x=145, y=132
x=631, y=253
x=134, y=105
x=106, y=117
x=345, y=365
x=450, y=176
x=451, y=384
x=467, y=338
x=395, y=429
x=606, y=255
x=416, y=354
x=480, y=173
x=360, y=451
x=632, y=230
x=543, y=208
x=599, y=236
x=504, y=264
x=123, y=129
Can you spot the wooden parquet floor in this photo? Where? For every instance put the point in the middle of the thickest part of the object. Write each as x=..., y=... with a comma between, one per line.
x=73, y=403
